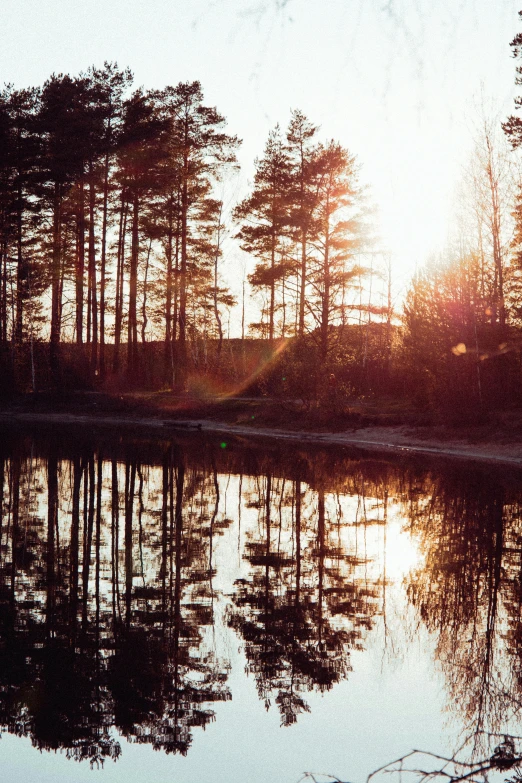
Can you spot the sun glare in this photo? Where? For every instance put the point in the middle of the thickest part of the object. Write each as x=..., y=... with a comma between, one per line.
x=401, y=552
x=414, y=219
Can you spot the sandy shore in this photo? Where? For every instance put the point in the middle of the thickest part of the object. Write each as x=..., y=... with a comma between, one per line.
x=402, y=439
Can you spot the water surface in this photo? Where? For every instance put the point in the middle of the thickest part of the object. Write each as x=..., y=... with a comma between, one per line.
x=201, y=609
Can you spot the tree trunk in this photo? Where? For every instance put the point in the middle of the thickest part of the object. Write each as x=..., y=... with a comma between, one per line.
x=132, y=323
x=92, y=272
x=115, y=529
x=21, y=276
x=52, y=524
x=320, y=548
x=103, y=265
x=144, y=319
x=325, y=309
x=3, y=297
x=118, y=312
x=495, y=226
x=297, y=542
x=75, y=542
x=182, y=338
x=175, y=314
x=272, y=293
x=87, y=538
x=80, y=261
x=130, y=483
x=168, y=295
x=302, y=292
x=216, y=308
x=54, y=348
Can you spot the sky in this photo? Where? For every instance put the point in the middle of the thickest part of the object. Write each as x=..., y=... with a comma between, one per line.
x=397, y=82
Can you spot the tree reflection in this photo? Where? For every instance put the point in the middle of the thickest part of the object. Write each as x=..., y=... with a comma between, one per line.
x=304, y=606
x=102, y=626
x=468, y=593
x=113, y=604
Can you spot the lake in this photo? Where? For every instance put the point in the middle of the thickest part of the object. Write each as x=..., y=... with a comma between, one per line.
x=205, y=609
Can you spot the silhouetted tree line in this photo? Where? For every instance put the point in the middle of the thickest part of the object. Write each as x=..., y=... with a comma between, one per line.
x=111, y=232
x=92, y=176
x=112, y=235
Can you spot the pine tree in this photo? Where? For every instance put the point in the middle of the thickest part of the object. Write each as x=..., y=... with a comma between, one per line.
x=140, y=152
x=265, y=220
x=336, y=235
x=198, y=150
x=65, y=127
x=109, y=85
x=305, y=179
x=513, y=125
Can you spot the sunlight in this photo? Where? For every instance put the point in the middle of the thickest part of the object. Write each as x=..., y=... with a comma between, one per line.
x=402, y=553
x=414, y=216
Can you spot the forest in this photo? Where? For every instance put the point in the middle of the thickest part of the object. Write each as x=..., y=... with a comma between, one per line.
x=114, y=226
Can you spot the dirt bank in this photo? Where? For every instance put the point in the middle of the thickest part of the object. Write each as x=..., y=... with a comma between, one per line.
x=403, y=439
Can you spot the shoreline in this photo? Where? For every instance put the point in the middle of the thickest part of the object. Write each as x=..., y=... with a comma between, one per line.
x=398, y=439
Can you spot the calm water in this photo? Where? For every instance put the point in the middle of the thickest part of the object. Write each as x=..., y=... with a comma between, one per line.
x=204, y=611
